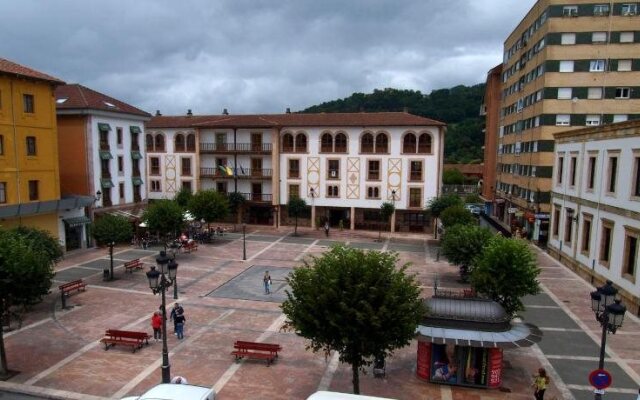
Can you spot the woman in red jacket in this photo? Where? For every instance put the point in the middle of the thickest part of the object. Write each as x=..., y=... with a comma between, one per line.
x=156, y=324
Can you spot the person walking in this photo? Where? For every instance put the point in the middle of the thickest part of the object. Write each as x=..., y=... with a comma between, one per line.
x=326, y=228
x=175, y=311
x=156, y=324
x=266, y=279
x=540, y=383
x=180, y=320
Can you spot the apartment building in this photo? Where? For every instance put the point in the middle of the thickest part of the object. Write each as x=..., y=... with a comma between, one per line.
x=595, y=205
x=567, y=65
x=345, y=165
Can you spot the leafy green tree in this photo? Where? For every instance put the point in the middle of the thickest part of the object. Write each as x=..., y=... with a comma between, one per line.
x=462, y=244
x=110, y=230
x=452, y=177
x=386, y=211
x=236, y=205
x=295, y=207
x=437, y=205
x=209, y=205
x=42, y=239
x=354, y=302
x=164, y=217
x=26, y=273
x=457, y=215
x=473, y=198
x=505, y=272
x=183, y=197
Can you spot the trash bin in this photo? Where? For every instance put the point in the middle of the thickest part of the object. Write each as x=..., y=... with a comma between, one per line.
x=105, y=274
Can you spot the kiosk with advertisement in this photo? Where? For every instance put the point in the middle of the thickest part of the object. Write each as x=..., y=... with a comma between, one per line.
x=460, y=341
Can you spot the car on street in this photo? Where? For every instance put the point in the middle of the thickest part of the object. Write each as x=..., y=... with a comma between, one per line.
x=475, y=209
x=171, y=391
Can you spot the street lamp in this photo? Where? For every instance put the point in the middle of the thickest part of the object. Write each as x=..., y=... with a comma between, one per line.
x=312, y=193
x=609, y=313
x=244, y=242
x=159, y=282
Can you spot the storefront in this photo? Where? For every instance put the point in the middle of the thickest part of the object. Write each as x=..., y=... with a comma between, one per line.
x=461, y=340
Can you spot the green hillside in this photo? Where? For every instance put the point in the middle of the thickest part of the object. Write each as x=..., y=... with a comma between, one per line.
x=458, y=107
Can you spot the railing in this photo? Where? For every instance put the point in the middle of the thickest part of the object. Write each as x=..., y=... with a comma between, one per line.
x=239, y=172
x=105, y=175
x=135, y=173
x=235, y=147
x=258, y=197
x=459, y=189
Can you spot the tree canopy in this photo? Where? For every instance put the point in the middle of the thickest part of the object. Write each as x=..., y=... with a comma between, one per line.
x=40, y=239
x=183, y=197
x=112, y=229
x=462, y=244
x=164, y=216
x=295, y=207
x=457, y=215
x=437, y=205
x=452, y=177
x=355, y=302
x=209, y=205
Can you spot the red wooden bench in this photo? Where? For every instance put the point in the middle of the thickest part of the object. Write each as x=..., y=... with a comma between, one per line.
x=261, y=351
x=189, y=247
x=133, y=339
x=67, y=288
x=129, y=266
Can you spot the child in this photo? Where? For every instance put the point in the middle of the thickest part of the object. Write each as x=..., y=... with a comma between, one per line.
x=540, y=383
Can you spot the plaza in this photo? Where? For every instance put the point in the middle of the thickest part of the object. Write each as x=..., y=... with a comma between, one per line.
x=59, y=355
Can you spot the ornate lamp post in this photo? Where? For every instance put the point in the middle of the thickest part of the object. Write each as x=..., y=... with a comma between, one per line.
x=312, y=193
x=609, y=313
x=393, y=216
x=244, y=242
x=159, y=282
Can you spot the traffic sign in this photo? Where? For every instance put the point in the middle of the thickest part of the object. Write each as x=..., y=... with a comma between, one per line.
x=600, y=379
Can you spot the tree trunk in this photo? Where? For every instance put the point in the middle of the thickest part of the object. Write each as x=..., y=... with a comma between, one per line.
x=4, y=369
x=295, y=232
x=355, y=368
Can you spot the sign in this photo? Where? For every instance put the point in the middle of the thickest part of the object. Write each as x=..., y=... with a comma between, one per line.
x=600, y=379
x=512, y=210
x=423, y=366
x=598, y=391
x=542, y=216
x=495, y=367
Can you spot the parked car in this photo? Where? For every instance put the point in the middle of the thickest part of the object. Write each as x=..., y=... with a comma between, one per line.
x=171, y=391
x=475, y=209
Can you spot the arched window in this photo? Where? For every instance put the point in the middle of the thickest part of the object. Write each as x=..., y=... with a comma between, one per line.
x=301, y=143
x=287, y=143
x=424, y=144
x=341, y=143
x=326, y=143
x=159, y=142
x=382, y=143
x=191, y=142
x=179, y=142
x=366, y=143
x=409, y=143
x=148, y=140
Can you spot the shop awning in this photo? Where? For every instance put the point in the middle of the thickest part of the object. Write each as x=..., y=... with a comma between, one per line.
x=105, y=155
x=77, y=221
x=136, y=180
x=103, y=127
x=135, y=155
x=106, y=183
x=520, y=335
x=134, y=129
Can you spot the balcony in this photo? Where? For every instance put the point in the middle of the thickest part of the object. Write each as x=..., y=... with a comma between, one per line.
x=258, y=197
x=246, y=148
x=242, y=173
x=104, y=145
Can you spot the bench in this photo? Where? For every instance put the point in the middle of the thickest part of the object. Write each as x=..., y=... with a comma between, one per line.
x=129, y=266
x=189, y=247
x=261, y=351
x=67, y=288
x=133, y=339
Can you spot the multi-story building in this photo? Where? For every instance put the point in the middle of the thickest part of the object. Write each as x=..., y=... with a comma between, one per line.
x=344, y=165
x=568, y=64
x=595, y=215
x=100, y=146
x=490, y=109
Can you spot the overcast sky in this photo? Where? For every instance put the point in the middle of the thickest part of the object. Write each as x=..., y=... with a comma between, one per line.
x=256, y=56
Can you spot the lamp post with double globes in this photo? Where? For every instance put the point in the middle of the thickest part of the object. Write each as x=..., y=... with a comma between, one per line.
x=609, y=313
x=159, y=281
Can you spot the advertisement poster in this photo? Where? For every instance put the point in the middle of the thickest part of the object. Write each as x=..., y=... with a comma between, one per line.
x=460, y=365
x=444, y=366
x=424, y=360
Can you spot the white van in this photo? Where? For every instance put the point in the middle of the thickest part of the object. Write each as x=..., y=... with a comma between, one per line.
x=322, y=395
x=171, y=391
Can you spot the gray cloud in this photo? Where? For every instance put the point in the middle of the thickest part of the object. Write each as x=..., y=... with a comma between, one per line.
x=257, y=56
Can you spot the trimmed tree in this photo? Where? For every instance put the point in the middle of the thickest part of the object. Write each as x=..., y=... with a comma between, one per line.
x=183, y=197
x=505, y=272
x=42, y=240
x=354, y=302
x=236, y=205
x=164, y=217
x=457, y=215
x=452, y=177
x=386, y=211
x=209, y=205
x=437, y=205
x=109, y=230
x=295, y=207
x=462, y=244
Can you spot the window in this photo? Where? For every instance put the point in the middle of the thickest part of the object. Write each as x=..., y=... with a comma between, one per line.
x=373, y=170
x=601, y=9
x=373, y=192
x=635, y=191
x=333, y=191
x=187, y=187
x=593, y=120
x=572, y=170
x=33, y=190
x=620, y=117
x=591, y=177
x=191, y=142
x=624, y=65
x=185, y=164
x=629, y=9
x=630, y=253
x=31, y=146
x=566, y=66
x=333, y=169
x=382, y=143
x=563, y=119
x=415, y=197
x=570, y=11
x=599, y=37
x=586, y=234
x=179, y=142
x=159, y=143
x=409, y=143
x=28, y=103
x=155, y=186
x=121, y=190
x=221, y=187
x=287, y=143
x=154, y=165
x=605, y=243
x=1, y=145
x=594, y=93
x=119, y=137
x=294, y=169
x=148, y=139
x=556, y=221
x=341, y=143
x=3, y=192
x=301, y=143
x=568, y=226
x=326, y=143
x=564, y=93
x=622, y=93
x=568, y=38
x=415, y=170
x=294, y=191
x=120, y=165
x=366, y=143
x=626, y=37
x=613, y=174
x=424, y=144
x=596, y=66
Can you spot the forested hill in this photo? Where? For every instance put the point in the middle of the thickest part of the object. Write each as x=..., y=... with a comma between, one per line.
x=458, y=107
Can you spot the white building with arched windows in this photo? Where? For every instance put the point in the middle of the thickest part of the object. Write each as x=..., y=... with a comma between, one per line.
x=345, y=165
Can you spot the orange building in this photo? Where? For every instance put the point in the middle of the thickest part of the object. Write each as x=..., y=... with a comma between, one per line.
x=491, y=110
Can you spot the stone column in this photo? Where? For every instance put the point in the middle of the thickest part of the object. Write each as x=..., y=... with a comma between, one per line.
x=313, y=216
x=352, y=219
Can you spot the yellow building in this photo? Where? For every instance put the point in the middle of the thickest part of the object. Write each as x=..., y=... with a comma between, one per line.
x=29, y=176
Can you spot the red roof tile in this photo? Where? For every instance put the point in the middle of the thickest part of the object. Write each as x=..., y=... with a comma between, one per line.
x=292, y=120
x=81, y=97
x=11, y=68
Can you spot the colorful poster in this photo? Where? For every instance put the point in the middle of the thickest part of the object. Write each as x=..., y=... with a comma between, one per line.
x=444, y=366
x=474, y=366
x=495, y=367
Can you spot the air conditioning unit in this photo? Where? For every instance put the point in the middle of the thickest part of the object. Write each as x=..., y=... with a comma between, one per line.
x=334, y=174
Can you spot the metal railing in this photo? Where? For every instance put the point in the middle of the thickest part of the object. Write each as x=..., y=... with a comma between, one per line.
x=459, y=189
x=239, y=172
x=235, y=147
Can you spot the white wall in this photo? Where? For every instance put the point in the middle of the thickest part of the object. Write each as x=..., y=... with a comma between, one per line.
x=170, y=177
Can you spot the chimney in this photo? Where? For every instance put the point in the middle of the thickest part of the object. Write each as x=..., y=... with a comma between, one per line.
x=189, y=113
x=225, y=112
x=158, y=113
x=288, y=110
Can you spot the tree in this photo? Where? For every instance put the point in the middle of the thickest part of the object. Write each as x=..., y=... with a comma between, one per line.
x=354, y=302
x=109, y=230
x=505, y=272
x=295, y=207
x=452, y=177
x=209, y=205
x=164, y=217
x=472, y=198
x=437, y=205
x=457, y=215
x=462, y=244
x=42, y=240
x=183, y=197
x=236, y=204
x=386, y=211
x=26, y=273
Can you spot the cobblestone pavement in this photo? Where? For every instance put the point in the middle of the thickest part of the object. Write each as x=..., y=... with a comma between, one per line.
x=58, y=354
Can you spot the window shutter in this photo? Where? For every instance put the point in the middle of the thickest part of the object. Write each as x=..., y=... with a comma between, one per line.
x=613, y=65
x=610, y=92
x=581, y=65
x=554, y=38
x=578, y=119
x=552, y=66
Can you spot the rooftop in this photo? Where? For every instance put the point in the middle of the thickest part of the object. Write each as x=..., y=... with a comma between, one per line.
x=10, y=68
x=78, y=97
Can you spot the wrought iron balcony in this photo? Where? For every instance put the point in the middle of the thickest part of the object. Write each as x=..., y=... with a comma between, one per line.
x=241, y=173
x=249, y=148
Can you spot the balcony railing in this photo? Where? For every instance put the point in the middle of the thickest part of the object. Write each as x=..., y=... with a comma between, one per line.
x=235, y=148
x=104, y=145
x=258, y=197
x=243, y=173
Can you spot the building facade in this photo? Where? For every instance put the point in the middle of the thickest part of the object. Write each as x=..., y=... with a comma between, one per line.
x=567, y=65
x=595, y=205
x=344, y=165
x=490, y=109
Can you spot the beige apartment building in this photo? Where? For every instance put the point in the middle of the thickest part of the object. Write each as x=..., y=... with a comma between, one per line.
x=567, y=65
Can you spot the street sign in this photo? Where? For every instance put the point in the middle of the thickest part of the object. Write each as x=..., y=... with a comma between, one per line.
x=600, y=379
x=598, y=391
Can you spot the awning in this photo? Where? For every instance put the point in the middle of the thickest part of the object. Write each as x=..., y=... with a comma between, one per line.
x=45, y=207
x=520, y=335
x=77, y=221
x=134, y=129
x=106, y=183
x=105, y=155
x=103, y=127
x=135, y=155
x=136, y=180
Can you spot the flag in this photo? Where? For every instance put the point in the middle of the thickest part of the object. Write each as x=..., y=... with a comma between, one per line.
x=242, y=170
x=229, y=171
x=222, y=168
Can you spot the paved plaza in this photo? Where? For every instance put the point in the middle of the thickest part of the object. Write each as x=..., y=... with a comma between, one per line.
x=58, y=354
